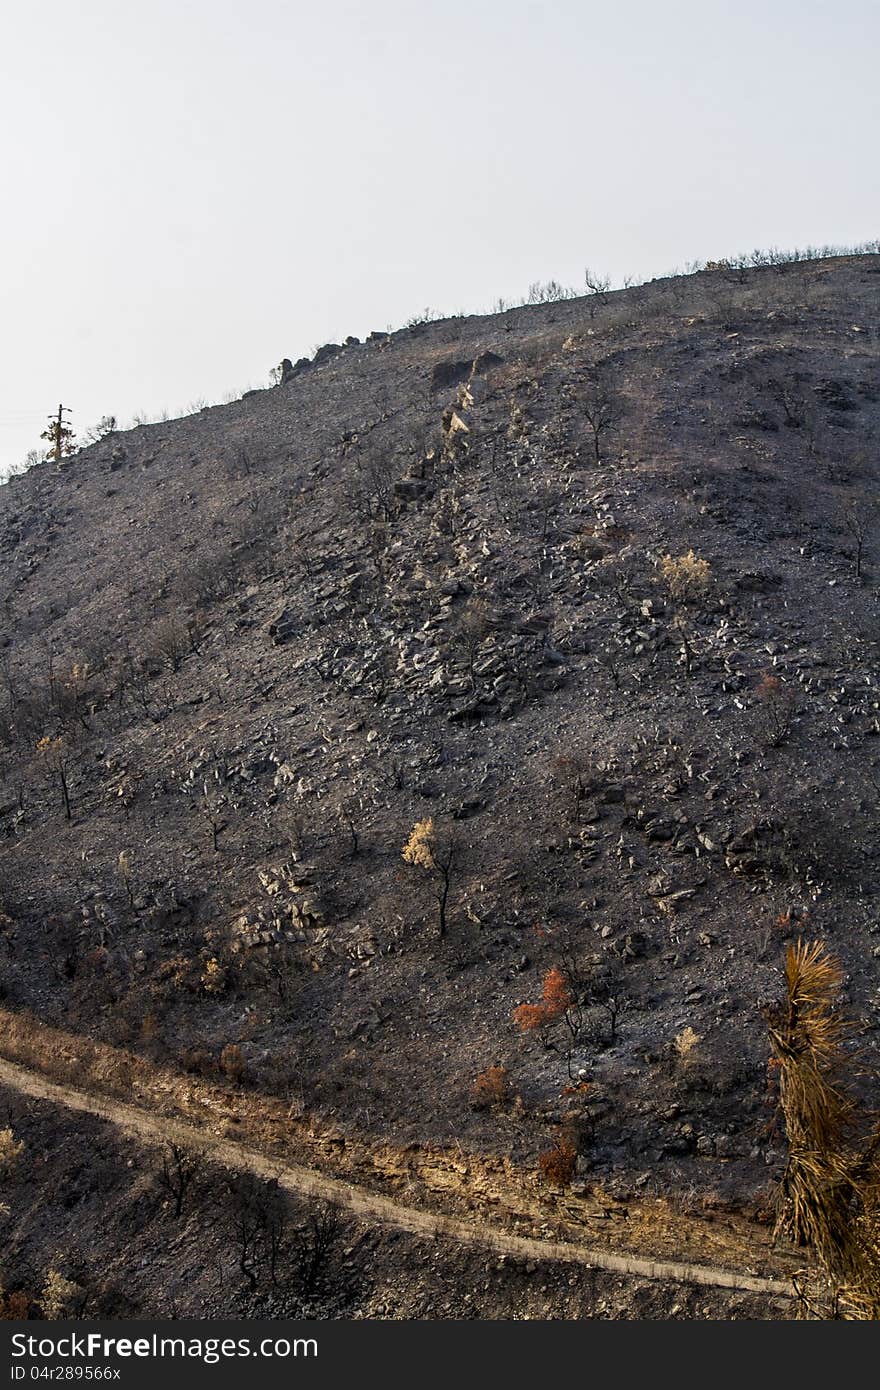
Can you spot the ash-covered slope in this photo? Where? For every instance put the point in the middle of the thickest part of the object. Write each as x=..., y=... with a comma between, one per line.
x=257, y=645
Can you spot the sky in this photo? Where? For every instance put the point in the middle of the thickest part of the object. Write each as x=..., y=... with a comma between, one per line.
x=191, y=190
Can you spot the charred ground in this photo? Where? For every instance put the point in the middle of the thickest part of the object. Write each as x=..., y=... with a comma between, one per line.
x=254, y=647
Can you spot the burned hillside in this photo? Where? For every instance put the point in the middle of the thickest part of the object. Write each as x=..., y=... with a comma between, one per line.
x=583, y=596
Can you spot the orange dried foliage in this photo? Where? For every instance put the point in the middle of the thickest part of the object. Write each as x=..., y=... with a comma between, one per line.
x=557, y=1164
x=556, y=995
x=491, y=1087
x=529, y=1016
x=789, y=923
x=555, y=999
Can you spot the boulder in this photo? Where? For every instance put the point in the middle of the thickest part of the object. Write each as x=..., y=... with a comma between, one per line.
x=326, y=354
x=485, y=362
x=409, y=488
x=447, y=374
x=290, y=370
x=284, y=627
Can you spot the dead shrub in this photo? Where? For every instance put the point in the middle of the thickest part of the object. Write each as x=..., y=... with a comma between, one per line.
x=491, y=1088
x=199, y=1061
x=11, y=1150
x=557, y=1164
x=790, y=923
x=168, y=643
x=178, y=971
x=232, y=1063
x=687, y=577
x=215, y=976
x=61, y=1298
x=558, y=1003
x=684, y=1043
x=775, y=702
x=14, y=1307
x=572, y=779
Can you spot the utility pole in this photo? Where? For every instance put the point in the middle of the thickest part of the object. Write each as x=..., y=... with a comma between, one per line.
x=59, y=435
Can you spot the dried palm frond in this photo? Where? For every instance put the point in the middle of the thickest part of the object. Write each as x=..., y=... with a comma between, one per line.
x=831, y=1186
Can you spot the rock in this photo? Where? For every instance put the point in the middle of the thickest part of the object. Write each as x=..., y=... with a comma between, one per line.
x=485, y=362
x=478, y=390
x=447, y=374
x=488, y=666
x=550, y=680
x=747, y=853
x=289, y=369
x=326, y=354
x=258, y=766
x=675, y=1147
x=408, y=488
x=477, y=708
x=612, y=795
x=669, y=903
x=660, y=830
x=635, y=944
x=591, y=549
x=284, y=627
x=758, y=582
x=835, y=394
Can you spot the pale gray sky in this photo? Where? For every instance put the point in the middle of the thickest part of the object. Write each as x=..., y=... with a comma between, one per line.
x=192, y=189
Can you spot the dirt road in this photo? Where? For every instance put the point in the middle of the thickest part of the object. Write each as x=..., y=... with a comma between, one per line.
x=156, y=1129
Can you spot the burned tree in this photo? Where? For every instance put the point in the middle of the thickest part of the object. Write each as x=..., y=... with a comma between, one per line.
x=469, y=633
x=599, y=407
x=180, y=1169
x=55, y=753
x=433, y=850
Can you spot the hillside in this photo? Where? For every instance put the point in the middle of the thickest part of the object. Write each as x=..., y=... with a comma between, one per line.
x=439, y=576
